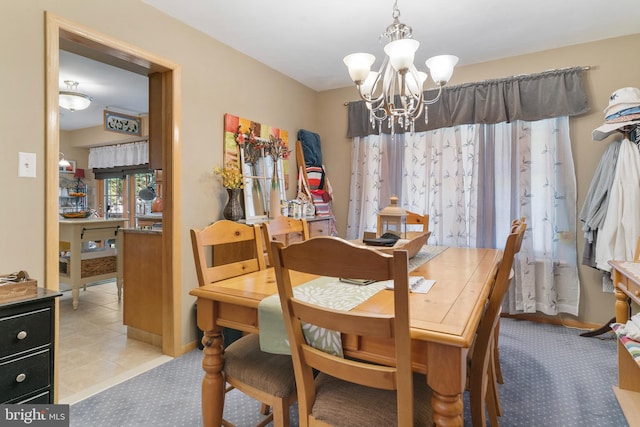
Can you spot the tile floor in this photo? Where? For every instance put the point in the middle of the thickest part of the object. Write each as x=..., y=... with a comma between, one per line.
x=94, y=351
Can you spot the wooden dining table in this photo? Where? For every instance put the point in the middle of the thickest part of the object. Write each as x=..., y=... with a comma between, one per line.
x=443, y=324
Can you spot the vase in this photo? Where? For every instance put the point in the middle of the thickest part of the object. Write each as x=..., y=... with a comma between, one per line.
x=233, y=210
x=274, y=194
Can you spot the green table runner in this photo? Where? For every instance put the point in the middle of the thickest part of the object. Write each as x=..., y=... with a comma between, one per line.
x=325, y=292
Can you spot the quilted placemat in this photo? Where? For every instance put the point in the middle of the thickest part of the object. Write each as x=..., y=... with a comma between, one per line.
x=325, y=292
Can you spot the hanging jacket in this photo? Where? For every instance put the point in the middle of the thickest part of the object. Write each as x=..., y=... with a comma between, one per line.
x=596, y=201
x=619, y=234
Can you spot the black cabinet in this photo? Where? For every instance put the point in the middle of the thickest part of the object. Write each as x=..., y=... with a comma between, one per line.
x=27, y=349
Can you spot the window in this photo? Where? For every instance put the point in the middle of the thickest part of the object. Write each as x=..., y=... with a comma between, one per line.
x=120, y=197
x=114, y=200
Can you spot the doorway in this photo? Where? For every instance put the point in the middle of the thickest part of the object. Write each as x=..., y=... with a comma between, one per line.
x=164, y=118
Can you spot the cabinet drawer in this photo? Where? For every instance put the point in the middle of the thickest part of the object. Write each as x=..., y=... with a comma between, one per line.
x=39, y=398
x=24, y=331
x=25, y=375
x=634, y=290
x=319, y=228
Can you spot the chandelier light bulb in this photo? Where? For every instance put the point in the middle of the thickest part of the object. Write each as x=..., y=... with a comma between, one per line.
x=441, y=67
x=359, y=65
x=367, y=86
x=401, y=53
x=412, y=85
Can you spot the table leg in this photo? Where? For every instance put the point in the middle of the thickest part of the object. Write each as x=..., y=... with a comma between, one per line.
x=446, y=375
x=447, y=410
x=623, y=306
x=213, y=383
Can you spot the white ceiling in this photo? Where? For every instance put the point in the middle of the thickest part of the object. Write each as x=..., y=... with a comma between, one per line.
x=110, y=87
x=307, y=40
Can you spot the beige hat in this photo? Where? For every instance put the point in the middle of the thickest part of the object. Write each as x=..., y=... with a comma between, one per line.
x=619, y=101
x=624, y=98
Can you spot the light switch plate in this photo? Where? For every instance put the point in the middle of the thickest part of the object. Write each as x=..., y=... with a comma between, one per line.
x=27, y=165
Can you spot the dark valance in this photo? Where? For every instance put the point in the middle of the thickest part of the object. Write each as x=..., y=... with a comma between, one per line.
x=530, y=97
x=120, y=171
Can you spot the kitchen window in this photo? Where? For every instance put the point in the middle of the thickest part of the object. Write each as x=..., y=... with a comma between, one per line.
x=120, y=197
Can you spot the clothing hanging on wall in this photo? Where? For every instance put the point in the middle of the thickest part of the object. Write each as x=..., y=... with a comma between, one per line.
x=611, y=213
x=596, y=201
x=618, y=235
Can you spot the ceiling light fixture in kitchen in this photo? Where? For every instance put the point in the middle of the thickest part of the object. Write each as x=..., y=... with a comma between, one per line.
x=73, y=100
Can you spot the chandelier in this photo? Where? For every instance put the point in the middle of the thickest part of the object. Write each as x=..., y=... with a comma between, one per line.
x=396, y=90
x=73, y=100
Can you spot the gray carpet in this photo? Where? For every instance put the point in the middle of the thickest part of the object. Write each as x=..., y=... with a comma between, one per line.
x=553, y=377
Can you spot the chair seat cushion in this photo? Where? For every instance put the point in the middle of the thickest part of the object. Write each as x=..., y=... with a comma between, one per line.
x=272, y=373
x=346, y=404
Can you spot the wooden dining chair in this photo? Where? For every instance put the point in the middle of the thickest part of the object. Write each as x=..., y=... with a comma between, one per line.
x=417, y=219
x=263, y=376
x=286, y=230
x=346, y=391
x=496, y=356
x=482, y=384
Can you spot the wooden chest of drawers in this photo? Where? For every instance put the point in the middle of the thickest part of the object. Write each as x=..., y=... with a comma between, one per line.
x=320, y=226
x=27, y=349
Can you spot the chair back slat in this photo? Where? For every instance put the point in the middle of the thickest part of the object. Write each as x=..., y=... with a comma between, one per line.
x=320, y=257
x=383, y=377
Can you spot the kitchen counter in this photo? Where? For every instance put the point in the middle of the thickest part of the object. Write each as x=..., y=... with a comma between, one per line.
x=143, y=230
x=149, y=220
x=92, y=221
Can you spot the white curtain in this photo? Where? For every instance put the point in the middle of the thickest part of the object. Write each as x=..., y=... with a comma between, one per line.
x=440, y=176
x=373, y=180
x=538, y=182
x=473, y=180
x=109, y=156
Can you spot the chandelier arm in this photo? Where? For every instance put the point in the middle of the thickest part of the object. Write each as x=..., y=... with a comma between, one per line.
x=413, y=71
x=370, y=99
x=366, y=98
x=379, y=118
x=434, y=100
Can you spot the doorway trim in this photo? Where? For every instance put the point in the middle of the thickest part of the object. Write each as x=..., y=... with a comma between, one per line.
x=90, y=43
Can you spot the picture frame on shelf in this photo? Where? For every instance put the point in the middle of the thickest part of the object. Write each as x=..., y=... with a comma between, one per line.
x=68, y=169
